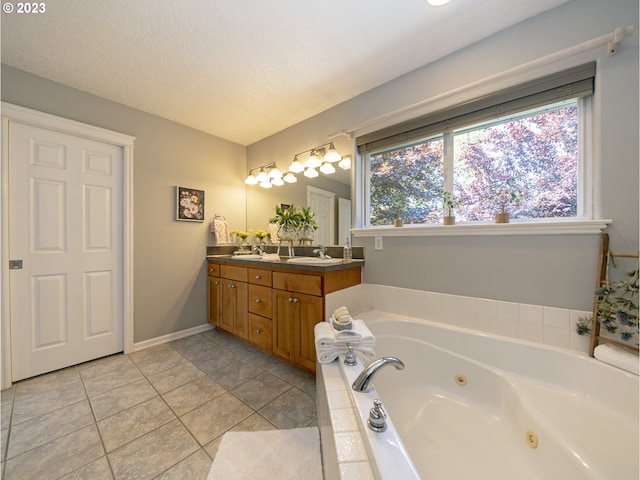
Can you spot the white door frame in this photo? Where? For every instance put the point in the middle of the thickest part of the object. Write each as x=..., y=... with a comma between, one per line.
x=27, y=116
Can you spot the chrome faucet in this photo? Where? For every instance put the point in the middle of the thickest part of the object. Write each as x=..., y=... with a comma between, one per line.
x=364, y=380
x=322, y=252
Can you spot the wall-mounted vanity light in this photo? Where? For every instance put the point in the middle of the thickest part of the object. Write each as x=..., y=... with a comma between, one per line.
x=320, y=158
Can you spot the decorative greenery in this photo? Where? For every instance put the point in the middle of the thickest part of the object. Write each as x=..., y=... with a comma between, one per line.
x=260, y=234
x=287, y=217
x=617, y=309
x=306, y=218
x=507, y=195
x=449, y=202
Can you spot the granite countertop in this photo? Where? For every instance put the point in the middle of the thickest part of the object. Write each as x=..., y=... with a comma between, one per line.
x=284, y=263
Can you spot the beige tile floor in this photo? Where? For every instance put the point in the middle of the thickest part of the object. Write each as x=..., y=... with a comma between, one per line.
x=157, y=413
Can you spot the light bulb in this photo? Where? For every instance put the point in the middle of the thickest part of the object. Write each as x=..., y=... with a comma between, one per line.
x=278, y=182
x=313, y=161
x=275, y=173
x=332, y=155
x=290, y=178
x=327, y=168
x=311, y=173
x=266, y=184
x=345, y=163
x=262, y=177
x=251, y=180
x=296, y=166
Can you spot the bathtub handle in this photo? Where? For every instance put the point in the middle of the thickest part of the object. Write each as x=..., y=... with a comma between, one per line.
x=377, y=417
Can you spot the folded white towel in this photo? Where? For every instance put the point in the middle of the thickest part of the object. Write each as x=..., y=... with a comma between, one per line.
x=366, y=354
x=270, y=257
x=617, y=357
x=359, y=334
x=331, y=343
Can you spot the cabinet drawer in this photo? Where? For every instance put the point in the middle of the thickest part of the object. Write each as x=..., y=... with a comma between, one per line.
x=260, y=331
x=293, y=282
x=260, y=300
x=260, y=277
x=234, y=273
x=214, y=269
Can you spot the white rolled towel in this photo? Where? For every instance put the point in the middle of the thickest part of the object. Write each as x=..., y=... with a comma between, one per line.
x=366, y=354
x=617, y=357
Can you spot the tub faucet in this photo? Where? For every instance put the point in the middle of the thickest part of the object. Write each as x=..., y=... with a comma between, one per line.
x=363, y=382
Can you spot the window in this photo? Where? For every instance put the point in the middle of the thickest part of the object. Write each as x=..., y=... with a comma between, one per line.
x=525, y=147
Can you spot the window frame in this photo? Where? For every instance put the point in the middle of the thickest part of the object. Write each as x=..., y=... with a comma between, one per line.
x=583, y=223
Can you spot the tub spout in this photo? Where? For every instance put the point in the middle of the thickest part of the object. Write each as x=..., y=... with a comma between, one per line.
x=364, y=380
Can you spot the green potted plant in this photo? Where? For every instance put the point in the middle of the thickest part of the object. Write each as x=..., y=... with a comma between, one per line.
x=308, y=225
x=504, y=196
x=288, y=220
x=450, y=204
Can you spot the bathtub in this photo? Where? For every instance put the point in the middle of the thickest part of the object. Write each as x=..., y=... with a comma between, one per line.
x=472, y=405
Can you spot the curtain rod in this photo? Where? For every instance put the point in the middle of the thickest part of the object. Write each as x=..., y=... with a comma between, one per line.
x=611, y=40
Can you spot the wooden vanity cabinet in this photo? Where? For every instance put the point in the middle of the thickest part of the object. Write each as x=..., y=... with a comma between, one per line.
x=294, y=317
x=260, y=309
x=273, y=307
x=234, y=316
x=214, y=296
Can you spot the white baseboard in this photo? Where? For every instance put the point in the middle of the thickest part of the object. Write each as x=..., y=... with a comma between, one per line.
x=171, y=337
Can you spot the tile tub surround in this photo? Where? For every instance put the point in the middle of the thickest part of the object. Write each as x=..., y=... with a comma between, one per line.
x=157, y=413
x=535, y=323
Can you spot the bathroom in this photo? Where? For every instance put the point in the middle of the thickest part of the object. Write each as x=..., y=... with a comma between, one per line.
x=555, y=271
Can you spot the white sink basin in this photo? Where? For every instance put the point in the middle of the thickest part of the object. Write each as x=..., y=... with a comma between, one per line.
x=251, y=256
x=315, y=260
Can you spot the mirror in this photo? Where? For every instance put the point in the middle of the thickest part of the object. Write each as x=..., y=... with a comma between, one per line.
x=261, y=203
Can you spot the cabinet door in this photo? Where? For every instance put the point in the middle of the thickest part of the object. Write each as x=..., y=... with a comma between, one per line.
x=284, y=315
x=214, y=300
x=234, y=314
x=309, y=313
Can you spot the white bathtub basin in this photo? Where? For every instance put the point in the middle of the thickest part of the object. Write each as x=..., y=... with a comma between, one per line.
x=581, y=414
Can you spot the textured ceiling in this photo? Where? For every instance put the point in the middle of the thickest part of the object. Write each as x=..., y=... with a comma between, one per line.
x=244, y=69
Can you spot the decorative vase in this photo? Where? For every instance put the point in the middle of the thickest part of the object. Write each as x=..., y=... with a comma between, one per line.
x=502, y=217
x=449, y=220
x=288, y=233
x=397, y=222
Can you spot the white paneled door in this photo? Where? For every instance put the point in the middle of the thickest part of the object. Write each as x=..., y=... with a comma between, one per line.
x=65, y=247
x=322, y=203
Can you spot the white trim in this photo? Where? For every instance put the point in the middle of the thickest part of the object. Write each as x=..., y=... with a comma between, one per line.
x=551, y=227
x=27, y=116
x=170, y=337
x=64, y=125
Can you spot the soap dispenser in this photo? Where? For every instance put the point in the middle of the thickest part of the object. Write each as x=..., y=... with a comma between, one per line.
x=346, y=252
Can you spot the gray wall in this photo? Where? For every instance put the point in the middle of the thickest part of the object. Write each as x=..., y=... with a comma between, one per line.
x=552, y=270
x=170, y=278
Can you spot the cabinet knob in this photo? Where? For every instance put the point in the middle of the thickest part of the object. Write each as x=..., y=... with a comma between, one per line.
x=211, y=269
x=257, y=300
x=231, y=285
x=258, y=277
x=293, y=300
x=216, y=283
x=258, y=330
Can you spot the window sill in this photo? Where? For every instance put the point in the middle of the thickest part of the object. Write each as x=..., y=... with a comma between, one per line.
x=523, y=227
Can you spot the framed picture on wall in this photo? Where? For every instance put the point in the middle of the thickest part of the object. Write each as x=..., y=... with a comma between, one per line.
x=189, y=204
